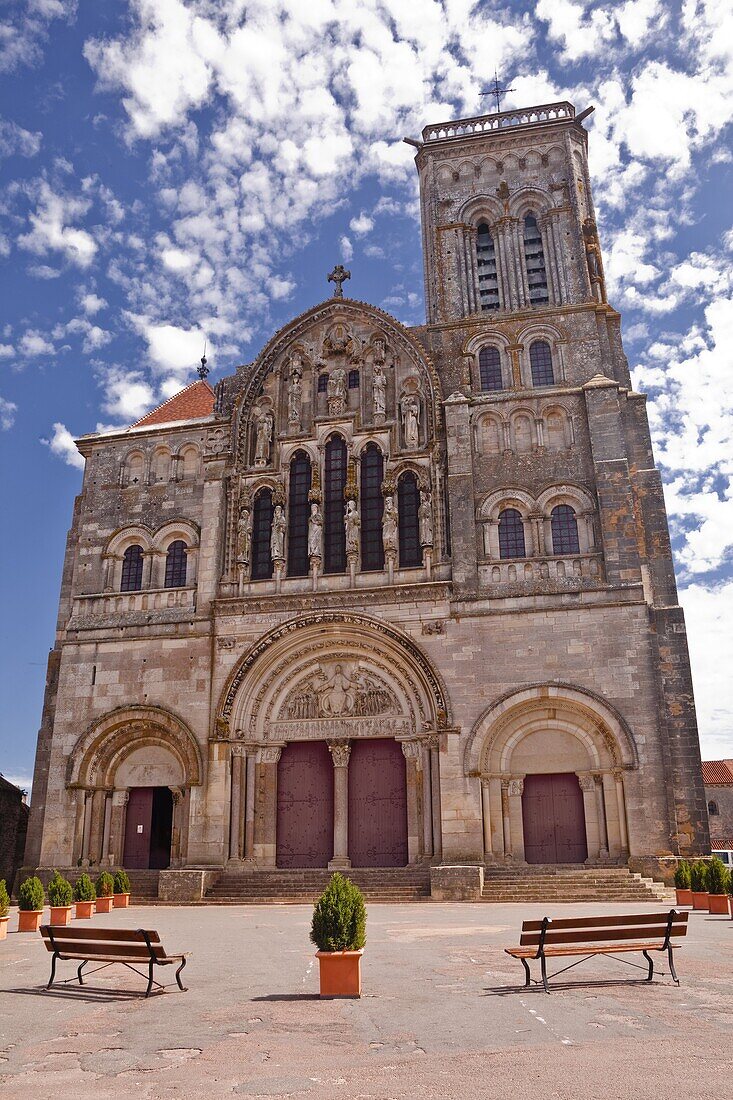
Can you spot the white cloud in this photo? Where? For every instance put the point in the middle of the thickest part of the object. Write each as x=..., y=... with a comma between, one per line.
x=172, y=349
x=92, y=303
x=127, y=395
x=347, y=248
x=51, y=229
x=709, y=613
x=361, y=225
x=8, y=409
x=62, y=445
x=7, y=351
x=15, y=140
x=43, y=271
x=33, y=344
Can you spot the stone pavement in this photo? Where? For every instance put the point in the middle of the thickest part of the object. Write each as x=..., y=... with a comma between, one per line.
x=442, y=1015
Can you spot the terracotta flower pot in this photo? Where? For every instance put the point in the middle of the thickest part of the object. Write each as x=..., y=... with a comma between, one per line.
x=699, y=899
x=105, y=903
x=718, y=904
x=3, y=927
x=84, y=910
x=684, y=897
x=730, y=899
x=340, y=973
x=60, y=914
x=121, y=901
x=29, y=919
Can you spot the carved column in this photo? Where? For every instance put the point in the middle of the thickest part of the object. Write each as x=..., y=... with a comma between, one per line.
x=517, y=239
x=340, y=752
x=412, y=753
x=427, y=800
x=106, y=828
x=590, y=808
x=117, y=832
x=486, y=813
x=434, y=742
x=249, y=806
x=94, y=831
x=516, y=787
x=506, y=820
x=177, y=795
x=601, y=813
x=235, y=813
x=78, y=849
x=538, y=533
x=514, y=352
x=618, y=776
x=266, y=823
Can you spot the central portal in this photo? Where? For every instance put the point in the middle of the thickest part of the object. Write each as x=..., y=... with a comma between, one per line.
x=377, y=804
x=305, y=805
x=554, y=819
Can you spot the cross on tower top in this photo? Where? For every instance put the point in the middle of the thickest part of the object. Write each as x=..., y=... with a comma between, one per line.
x=339, y=275
x=497, y=92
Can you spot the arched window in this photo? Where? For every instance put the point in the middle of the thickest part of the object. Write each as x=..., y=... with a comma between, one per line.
x=408, y=504
x=490, y=436
x=189, y=460
x=300, y=483
x=534, y=258
x=489, y=366
x=488, y=280
x=135, y=469
x=334, y=532
x=713, y=809
x=564, y=530
x=555, y=432
x=511, y=534
x=161, y=466
x=322, y=382
x=132, y=569
x=261, y=530
x=353, y=380
x=372, y=507
x=175, y=565
x=522, y=432
x=540, y=361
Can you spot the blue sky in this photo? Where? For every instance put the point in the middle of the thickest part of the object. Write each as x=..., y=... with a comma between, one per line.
x=175, y=168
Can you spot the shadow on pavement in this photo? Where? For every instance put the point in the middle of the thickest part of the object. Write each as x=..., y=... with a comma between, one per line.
x=86, y=993
x=288, y=997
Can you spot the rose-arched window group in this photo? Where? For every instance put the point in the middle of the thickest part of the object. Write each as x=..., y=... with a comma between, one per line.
x=493, y=294
x=523, y=430
x=131, y=579
x=160, y=466
x=493, y=375
x=563, y=526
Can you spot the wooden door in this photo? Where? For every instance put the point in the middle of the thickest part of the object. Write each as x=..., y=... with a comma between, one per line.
x=554, y=819
x=305, y=805
x=137, y=827
x=377, y=804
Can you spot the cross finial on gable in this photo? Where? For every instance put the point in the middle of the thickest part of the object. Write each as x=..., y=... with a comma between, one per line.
x=497, y=92
x=339, y=275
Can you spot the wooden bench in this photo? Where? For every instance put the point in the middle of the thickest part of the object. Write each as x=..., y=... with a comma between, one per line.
x=109, y=946
x=591, y=936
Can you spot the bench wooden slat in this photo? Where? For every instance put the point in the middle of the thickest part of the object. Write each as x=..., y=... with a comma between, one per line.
x=94, y=950
x=595, y=935
x=116, y=934
x=613, y=921
x=68, y=956
x=588, y=949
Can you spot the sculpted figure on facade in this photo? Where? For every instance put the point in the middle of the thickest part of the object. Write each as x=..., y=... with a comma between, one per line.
x=336, y=391
x=263, y=442
x=410, y=417
x=295, y=390
x=277, y=538
x=379, y=392
x=352, y=522
x=389, y=526
x=244, y=535
x=425, y=520
x=315, y=532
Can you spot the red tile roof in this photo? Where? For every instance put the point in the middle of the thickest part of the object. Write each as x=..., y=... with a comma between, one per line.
x=717, y=772
x=193, y=403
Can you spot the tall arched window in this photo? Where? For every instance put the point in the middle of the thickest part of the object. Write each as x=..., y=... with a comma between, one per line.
x=175, y=565
x=489, y=366
x=132, y=569
x=511, y=534
x=408, y=504
x=300, y=483
x=713, y=809
x=540, y=361
x=564, y=530
x=135, y=470
x=534, y=258
x=261, y=531
x=372, y=507
x=488, y=280
x=334, y=532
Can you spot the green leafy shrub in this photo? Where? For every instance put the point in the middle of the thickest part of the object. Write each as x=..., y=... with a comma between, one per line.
x=718, y=877
x=60, y=891
x=699, y=876
x=84, y=889
x=682, y=875
x=122, y=882
x=105, y=885
x=339, y=917
x=4, y=899
x=30, y=895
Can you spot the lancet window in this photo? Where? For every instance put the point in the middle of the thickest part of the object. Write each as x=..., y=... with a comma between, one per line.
x=489, y=365
x=488, y=279
x=372, y=507
x=132, y=569
x=564, y=530
x=408, y=503
x=511, y=534
x=300, y=483
x=534, y=258
x=334, y=532
x=175, y=565
x=540, y=362
x=261, y=531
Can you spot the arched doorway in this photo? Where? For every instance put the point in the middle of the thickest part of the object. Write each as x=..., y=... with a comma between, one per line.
x=304, y=805
x=148, y=828
x=553, y=819
x=377, y=804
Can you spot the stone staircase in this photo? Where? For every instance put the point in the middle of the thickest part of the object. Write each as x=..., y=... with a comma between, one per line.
x=570, y=883
x=143, y=887
x=281, y=887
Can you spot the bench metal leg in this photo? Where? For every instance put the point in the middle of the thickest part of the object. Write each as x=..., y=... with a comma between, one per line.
x=178, y=976
x=78, y=973
x=650, y=960
x=150, y=978
x=672, y=970
x=544, y=973
x=528, y=982
x=53, y=969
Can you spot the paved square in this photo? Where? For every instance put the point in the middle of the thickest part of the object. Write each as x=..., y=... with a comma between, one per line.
x=442, y=1015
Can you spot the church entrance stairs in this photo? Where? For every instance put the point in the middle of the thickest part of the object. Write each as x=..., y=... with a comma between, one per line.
x=284, y=887
x=570, y=883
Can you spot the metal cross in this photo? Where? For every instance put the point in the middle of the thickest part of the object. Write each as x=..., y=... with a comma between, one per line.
x=338, y=276
x=203, y=370
x=497, y=92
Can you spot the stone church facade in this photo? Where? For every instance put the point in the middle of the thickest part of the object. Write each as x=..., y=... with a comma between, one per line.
x=389, y=596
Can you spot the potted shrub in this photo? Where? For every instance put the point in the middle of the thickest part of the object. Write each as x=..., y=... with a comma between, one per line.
x=4, y=909
x=699, y=883
x=718, y=881
x=682, y=883
x=105, y=886
x=60, y=897
x=84, y=895
x=121, y=890
x=730, y=891
x=339, y=932
x=30, y=904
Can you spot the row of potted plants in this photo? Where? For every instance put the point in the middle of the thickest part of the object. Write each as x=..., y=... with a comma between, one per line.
x=109, y=891
x=705, y=884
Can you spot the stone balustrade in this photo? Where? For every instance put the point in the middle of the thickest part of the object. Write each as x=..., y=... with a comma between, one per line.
x=532, y=116
x=109, y=604
x=551, y=570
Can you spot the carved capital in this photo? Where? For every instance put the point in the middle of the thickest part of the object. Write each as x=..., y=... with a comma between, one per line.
x=411, y=750
x=269, y=754
x=340, y=752
x=587, y=782
x=516, y=787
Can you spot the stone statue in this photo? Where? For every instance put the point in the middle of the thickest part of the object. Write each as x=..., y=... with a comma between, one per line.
x=315, y=532
x=294, y=392
x=389, y=526
x=336, y=391
x=352, y=522
x=244, y=537
x=410, y=415
x=277, y=537
x=379, y=392
x=265, y=424
x=425, y=519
